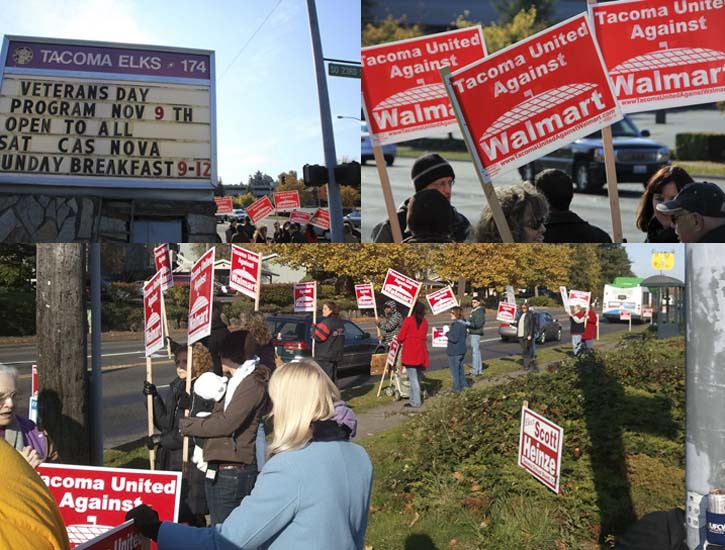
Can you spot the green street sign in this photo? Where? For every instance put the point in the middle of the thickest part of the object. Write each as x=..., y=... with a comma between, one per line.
x=349, y=71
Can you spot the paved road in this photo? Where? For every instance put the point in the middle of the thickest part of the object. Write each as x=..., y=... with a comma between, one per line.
x=469, y=199
x=123, y=364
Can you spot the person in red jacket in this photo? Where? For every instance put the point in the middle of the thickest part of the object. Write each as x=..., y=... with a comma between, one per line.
x=413, y=336
x=590, y=329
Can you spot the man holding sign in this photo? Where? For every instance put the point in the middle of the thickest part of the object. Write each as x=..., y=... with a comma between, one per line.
x=475, y=323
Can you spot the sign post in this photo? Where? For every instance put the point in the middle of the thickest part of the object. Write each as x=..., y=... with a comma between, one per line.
x=402, y=93
x=153, y=341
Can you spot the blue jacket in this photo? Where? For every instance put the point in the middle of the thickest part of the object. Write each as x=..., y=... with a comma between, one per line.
x=312, y=498
x=457, y=338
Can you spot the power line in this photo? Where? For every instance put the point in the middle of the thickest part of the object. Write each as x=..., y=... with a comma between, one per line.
x=250, y=39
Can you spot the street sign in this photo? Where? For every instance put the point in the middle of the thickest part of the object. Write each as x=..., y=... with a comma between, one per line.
x=439, y=337
x=244, y=271
x=260, y=209
x=403, y=96
x=441, y=300
x=93, y=499
x=344, y=69
x=662, y=53
x=400, y=288
x=506, y=312
x=99, y=114
x=305, y=297
x=201, y=296
x=540, y=446
x=162, y=260
x=153, y=322
x=533, y=97
x=365, y=296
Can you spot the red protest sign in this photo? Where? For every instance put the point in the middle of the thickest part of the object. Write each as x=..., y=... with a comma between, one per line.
x=439, y=336
x=400, y=288
x=123, y=537
x=528, y=99
x=441, y=300
x=662, y=53
x=647, y=312
x=93, y=499
x=321, y=218
x=580, y=298
x=365, y=296
x=625, y=315
x=245, y=271
x=540, y=446
x=300, y=217
x=201, y=296
x=393, y=351
x=153, y=323
x=402, y=91
x=506, y=312
x=260, y=209
x=305, y=297
x=287, y=200
x=162, y=260
x=223, y=205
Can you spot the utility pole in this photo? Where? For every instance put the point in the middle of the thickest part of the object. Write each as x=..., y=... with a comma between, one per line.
x=61, y=330
x=334, y=201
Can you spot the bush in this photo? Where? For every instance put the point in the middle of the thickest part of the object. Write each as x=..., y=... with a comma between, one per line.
x=700, y=146
x=438, y=144
x=543, y=301
x=121, y=316
x=18, y=309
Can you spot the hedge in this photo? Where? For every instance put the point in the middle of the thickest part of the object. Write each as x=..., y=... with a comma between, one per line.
x=700, y=146
x=18, y=313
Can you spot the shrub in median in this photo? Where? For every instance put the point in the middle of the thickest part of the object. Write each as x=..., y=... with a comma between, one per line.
x=700, y=146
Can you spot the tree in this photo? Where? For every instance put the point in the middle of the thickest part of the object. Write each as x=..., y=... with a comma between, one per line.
x=614, y=262
x=585, y=272
x=389, y=30
x=62, y=373
x=17, y=266
x=261, y=180
x=523, y=24
x=242, y=201
x=350, y=196
x=509, y=9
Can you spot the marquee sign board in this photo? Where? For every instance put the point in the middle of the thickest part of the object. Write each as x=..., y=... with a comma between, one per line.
x=99, y=114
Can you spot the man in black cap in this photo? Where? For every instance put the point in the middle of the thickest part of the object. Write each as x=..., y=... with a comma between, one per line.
x=430, y=171
x=563, y=225
x=698, y=213
x=391, y=323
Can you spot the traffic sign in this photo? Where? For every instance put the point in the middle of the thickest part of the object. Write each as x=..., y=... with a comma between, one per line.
x=340, y=69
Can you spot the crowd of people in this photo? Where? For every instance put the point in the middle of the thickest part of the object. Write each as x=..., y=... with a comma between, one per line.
x=244, y=231
x=673, y=208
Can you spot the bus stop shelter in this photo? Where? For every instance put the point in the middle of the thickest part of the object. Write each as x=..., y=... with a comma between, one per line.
x=668, y=296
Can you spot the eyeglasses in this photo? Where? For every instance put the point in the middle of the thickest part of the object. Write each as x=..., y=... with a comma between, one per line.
x=535, y=223
x=675, y=217
x=10, y=395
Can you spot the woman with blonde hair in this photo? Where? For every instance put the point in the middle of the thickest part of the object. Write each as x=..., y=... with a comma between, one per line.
x=526, y=211
x=313, y=493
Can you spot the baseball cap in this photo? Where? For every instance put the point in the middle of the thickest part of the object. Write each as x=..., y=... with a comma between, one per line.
x=707, y=199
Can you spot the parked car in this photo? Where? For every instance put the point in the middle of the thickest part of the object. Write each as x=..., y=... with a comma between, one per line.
x=239, y=214
x=549, y=328
x=366, y=149
x=354, y=217
x=292, y=337
x=637, y=158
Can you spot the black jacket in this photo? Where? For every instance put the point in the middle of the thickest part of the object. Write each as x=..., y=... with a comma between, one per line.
x=213, y=342
x=717, y=235
x=567, y=227
x=658, y=234
x=528, y=325
x=329, y=335
x=382, y=234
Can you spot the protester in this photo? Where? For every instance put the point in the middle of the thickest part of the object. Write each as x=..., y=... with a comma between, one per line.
x=29, y=516
x=391, y=322
x=329, y=336
x=33, y=444
x=563, y=225
x=231, y=429
x=240, y=235
x=430, y=171
x=430, y=218
x=698, y=213
x=456, y=349
x=476, y=321
x=219, y=331
x=166, y=415
x=578, y=320
x=525, y=333
x=350, y=234
x=314, y=492
x=277, y=235
x=663, y=186
x=414, y=337
x=525, y=210
x=231, y=230
x=310, y=235
x=260, y=235
x=296, y=235
x=590, y=329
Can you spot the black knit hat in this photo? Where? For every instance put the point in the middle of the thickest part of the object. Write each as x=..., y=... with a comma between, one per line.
x=429, y=168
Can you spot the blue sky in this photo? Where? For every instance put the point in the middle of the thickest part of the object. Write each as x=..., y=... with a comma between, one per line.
x=641, y=256
x=267, y=107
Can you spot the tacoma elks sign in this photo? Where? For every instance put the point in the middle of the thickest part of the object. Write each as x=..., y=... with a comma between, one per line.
x=99, y=114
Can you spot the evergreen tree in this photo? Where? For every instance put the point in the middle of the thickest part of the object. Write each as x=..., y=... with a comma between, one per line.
x=614, y=262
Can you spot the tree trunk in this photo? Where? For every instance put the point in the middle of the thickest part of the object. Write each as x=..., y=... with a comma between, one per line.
x=61, y=330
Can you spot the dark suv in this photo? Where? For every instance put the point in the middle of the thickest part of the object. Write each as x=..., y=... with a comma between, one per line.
x=292, y=337
x=637, y=158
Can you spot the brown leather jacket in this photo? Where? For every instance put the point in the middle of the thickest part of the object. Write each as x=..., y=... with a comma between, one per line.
x=231, y=434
